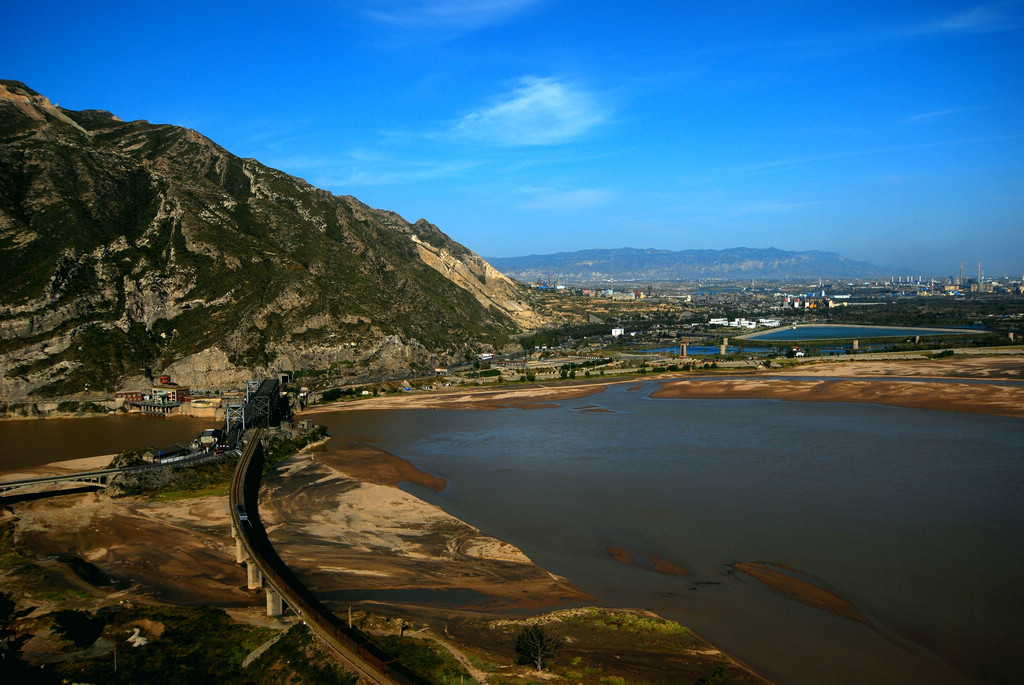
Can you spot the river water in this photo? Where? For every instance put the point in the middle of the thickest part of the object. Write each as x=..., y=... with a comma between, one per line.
x=913, y=516
x=31, y=442
x=838, y=332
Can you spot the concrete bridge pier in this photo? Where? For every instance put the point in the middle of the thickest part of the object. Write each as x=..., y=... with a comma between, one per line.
x=254, y=576
x=239, y=551
x=240, y=555
x=275, y=605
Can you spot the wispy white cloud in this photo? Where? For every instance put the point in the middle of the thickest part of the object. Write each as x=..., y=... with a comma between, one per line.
x=775, y=207
x=981, y=19
x=550, y=200
x=367, y=168
x=804, y=160
x=987, y=18
x=537, y=111
x=938, y=113
x=359, y=177
x=460, y=15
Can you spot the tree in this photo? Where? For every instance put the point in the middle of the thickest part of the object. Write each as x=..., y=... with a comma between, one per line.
x=536, y=645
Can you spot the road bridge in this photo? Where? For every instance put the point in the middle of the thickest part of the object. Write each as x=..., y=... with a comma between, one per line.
x=263, y=406
x=98, y=479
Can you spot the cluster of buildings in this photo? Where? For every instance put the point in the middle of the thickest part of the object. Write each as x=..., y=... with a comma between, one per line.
x=609, y=293
x=746, y=323
x=166, y=397
x=810, y=301
x=161, y=398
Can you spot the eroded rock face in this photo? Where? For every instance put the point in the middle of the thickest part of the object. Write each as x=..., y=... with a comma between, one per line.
x=489, y=286
x=209, y=368
x=129, y=249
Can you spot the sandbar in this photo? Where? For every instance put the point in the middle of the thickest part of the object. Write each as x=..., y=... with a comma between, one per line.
x=791, y=584
x=975, y=383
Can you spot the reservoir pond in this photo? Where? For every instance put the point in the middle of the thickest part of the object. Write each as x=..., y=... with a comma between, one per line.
x=837, y=332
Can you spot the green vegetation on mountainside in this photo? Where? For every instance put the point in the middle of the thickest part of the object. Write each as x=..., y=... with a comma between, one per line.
x=146, y=243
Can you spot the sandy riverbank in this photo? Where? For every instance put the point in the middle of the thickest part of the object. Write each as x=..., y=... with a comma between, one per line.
x=948, y=384
x=950, y=396
x=59, y=468
x=342, y=524
x=339, y=521
x=892, y=382
x=338, y=531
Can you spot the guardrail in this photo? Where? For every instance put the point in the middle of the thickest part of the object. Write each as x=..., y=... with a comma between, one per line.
x=368, y=661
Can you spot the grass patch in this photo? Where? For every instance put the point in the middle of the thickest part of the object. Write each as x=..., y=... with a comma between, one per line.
x=629, y=622
x=184, y=645
x=301, y=654
x=279, y=448
x=9, y=555
x=181, y=482
x=211, y=490
x=426, y=658
x=208, y=479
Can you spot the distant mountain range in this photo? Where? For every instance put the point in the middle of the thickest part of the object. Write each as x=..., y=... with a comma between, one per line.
x=629, y=264
x=129, y=249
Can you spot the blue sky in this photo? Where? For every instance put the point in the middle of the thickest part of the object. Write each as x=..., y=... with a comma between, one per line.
x=890, y=132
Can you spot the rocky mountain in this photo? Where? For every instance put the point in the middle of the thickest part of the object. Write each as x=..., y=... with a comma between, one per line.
x=129, y=249
x=628, y=264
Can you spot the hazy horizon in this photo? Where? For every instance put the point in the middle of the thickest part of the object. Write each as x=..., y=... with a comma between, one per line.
x=889, y=133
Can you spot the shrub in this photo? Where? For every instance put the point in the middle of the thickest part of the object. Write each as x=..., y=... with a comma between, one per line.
x=78, y=626
x=332, y=395
x=535, y=646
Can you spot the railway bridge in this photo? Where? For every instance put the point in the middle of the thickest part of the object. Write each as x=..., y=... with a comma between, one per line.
x=263, y=405
x=265, y=570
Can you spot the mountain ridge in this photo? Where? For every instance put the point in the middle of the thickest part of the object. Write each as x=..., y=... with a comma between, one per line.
x=652, y=264
x=130, y=249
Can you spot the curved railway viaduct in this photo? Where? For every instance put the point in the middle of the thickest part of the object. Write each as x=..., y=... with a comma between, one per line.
x=266, y=570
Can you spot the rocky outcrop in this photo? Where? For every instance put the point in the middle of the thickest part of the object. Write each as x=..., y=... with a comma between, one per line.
x=489, y=286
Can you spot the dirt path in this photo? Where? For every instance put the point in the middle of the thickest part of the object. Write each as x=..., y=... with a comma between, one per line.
x=460, y=656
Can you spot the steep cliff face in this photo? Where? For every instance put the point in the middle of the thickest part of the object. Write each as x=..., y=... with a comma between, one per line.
x=128, y=248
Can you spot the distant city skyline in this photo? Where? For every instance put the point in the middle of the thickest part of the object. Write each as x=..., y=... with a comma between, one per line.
x=891, y=133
